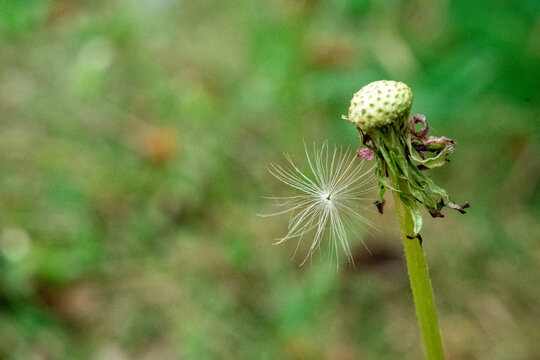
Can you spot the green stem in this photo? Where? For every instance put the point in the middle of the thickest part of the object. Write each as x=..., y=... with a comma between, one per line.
x=420, y=281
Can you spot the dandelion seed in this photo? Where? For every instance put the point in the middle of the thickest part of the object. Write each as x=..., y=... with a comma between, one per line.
x=328, y=199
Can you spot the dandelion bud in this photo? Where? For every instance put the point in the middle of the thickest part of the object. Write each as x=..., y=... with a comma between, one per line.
x=380, y=103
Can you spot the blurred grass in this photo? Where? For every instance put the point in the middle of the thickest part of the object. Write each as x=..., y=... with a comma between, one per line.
x=134, y=141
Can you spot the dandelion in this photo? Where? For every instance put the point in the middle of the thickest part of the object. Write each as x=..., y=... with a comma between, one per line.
x=328, y=200
x=328, y=196
x=381, y=113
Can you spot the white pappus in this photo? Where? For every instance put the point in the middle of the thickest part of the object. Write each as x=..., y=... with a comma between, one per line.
x=328, y=199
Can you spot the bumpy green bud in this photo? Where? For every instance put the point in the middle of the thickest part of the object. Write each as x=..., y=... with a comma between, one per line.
x=380, y=103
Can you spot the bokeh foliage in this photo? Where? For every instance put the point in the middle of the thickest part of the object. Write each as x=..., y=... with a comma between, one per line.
x=134, y=141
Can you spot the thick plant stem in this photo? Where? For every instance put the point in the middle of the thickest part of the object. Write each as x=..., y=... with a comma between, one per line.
x=420, y=281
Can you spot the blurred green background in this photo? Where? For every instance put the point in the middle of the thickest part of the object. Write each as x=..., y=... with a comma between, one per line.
x=134, y=143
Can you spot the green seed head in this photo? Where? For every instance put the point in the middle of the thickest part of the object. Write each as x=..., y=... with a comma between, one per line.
x=380, y=103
